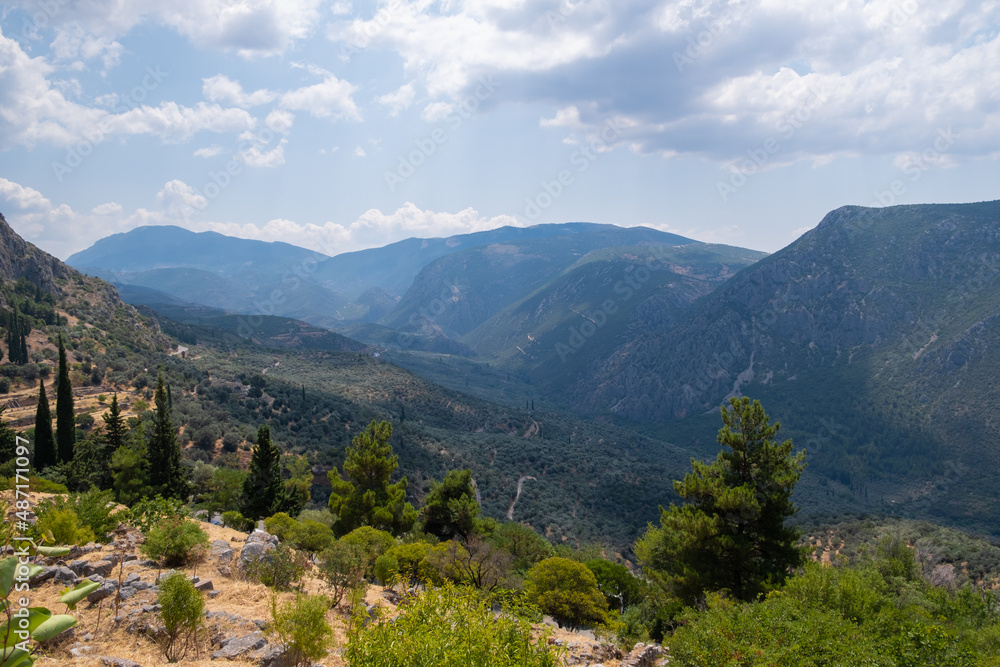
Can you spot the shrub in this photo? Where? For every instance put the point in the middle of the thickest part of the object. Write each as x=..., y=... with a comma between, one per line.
x=237, y=521
x=567, y=590
x=324, y=517
x=343, y=569
x=78, y=518
x=150, y=512
x=373, y=543
x=406, y=561
x=181, y=610
x=65, y=526
x=279, y=569
x=301, y=625
x=310, y=536
x=446, y=627
x=175, y=541
x=279, y=525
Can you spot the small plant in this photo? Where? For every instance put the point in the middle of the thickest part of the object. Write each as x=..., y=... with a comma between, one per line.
x=182, y=606
x=237, y=521
x=150, y=512
x=279, y=568
x=301, y=625
x=343, y=569
x=64, y=526
x=175, y=541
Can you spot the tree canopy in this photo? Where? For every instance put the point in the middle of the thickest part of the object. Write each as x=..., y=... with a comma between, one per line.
x=731, y=534
x=450, y=508
x=262, y=489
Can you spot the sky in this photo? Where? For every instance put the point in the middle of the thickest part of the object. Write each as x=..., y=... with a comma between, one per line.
x=339, y=125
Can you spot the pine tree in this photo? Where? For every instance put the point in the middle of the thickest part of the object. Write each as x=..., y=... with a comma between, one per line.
x=165, y=472
x=368, y=499
x=65, y=414
x=45, y=446
x=115, y=430
x=263, y=488
x=731, y=536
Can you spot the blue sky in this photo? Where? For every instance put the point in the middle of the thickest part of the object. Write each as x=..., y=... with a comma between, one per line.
x=342, y=125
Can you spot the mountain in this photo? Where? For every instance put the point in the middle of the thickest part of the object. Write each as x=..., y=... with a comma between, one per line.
x=876, y=335
x=21, y=259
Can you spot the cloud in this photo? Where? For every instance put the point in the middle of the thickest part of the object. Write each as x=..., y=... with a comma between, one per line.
x=398, y=101
x=220, y=88
x=209, y=151
x=258, y=156
x=332, y=98
x=436, y=111
x=359, y=152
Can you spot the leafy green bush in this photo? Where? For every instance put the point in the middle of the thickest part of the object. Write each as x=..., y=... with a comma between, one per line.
x=175, y=541
x=64, y=526
x=310, y=536
x=280, y=569
x=342, y=567
x=446, y=627
x=406, y=561
x=237, y=521
x=77, y=518
x=567, y=590
x=301, y=625
x=279, y=525
x=150, y=512
x=372, y=543
x=182, y=606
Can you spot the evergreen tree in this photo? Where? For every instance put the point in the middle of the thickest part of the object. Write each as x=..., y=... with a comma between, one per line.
x=16, y=339
x=369, y=499
x=8, y=439
x=65, y=424
x=165, y=472
x=263, y=488
x=450, y=509
x=115, y=430
x=731, y=536
x=45, y=446
x=130, y=468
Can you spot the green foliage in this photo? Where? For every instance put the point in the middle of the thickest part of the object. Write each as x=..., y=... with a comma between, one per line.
x=371, y=543
x=279, y=525
x=407, y=562
x=150, y=512
x=237, y=521
x=447, y=627
x=115, y=429
x=522, y=542
x=731, y=536
x=37, y=623
x=310, y=536
x=262, y=490
x=301, y=625
x=182, y=606
x=568, y=591
x=77, y=518
x=450, y=508
x=45, y=444
x=368, y=499
x=225, y=489
x=165, y=472
x=342, y=567
x=281, y=568
x=64, y=525
x=175, y=541
x=618, y=585
x=475, y=563
x=130, y=469
x=65, y=422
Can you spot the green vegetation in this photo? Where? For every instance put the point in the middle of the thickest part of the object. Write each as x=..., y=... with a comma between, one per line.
x=301, y=625
x=281, y=569
x=262, y=489
x=182, y=606
x=450, y=509
x=45, y=445
x=175, y=541
x=368, y=498
x=567, y=590
x=165, y=473
x=41, y=624
x=446, y=627
x=65, y=424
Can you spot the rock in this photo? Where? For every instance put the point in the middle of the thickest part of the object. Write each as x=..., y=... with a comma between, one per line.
x=101, y=568
x=643, y=656
x=131, y=578
x=42, y=576
x=273, y=656
x=147, y=608
x=106, y=590
x=77, y=566
x=256, y=546
x=205, y=585
x=130, y=557
x=221, y=551
x=64, y=575
x=81, y=651
x=238, y=646
x=214, y=594
x=126, y=592
x=117, y=662
x=216, y=519
x=201, y=515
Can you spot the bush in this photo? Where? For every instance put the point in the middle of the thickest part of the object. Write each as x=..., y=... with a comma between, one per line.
x=150, y=512
x=373, y=543
x=310, y=536
x=78, y=518
x=301, y=625
x=567, y=590
x=237, y=521
x=324, y=517
x=406, y=561
x=175, y=541
x=182, y=606
x=343, y=569
x=279, y=569
x=65, y=526
x=279, y=525
x=447, y=627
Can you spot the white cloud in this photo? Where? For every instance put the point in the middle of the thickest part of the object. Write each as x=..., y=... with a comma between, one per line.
x=330, y=99
x=258, y=156
x=399, y=100
x=436, y=111
x=220, y=88
x=209, y=151
x=359, y=152
x=280, y=121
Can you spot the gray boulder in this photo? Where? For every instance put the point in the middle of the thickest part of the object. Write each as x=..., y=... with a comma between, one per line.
x=643, y=655
x=106, y=590
x=234, y=647
x=258, y=544
x=101, y=567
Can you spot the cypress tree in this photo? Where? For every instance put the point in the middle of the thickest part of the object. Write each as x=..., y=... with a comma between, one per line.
x=165, y=473
x=263, y=488
x=65, y=425
x=45, y=446
x=115, y=430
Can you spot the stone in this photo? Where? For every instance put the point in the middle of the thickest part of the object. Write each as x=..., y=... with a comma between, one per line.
x=77, y=566
x=235, y=647
x=216, y=519
x=64, y=575
x=42, y=576
x=221, y=551
x=214, y=594
x=102, y=568
x=643, y=655
x=151, y=608
x=81, y=651
x=117, y=662
x=273, y=656
x=131, y=578
x=106, y=590
x=126, y=592
x=258, y=544
x=205, y=585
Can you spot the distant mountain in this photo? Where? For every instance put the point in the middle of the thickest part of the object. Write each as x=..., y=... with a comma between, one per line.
x=21, y=259
x=876, y=336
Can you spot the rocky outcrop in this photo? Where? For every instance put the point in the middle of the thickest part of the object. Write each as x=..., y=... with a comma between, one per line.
x=258, y=544
x=20, y=259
